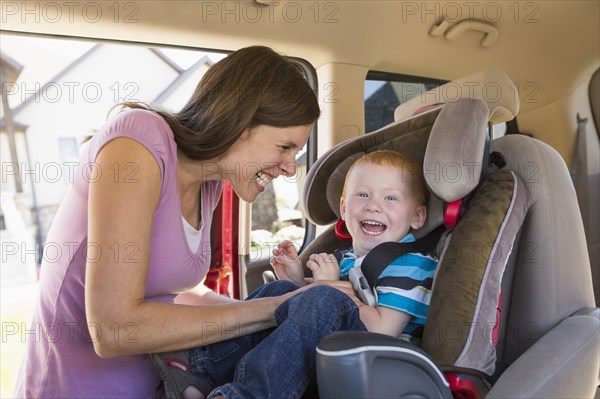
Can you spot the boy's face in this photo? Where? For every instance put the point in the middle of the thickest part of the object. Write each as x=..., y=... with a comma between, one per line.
x=378, y=206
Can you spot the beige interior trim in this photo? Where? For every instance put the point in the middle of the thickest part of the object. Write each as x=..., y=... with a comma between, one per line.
x=341, y=97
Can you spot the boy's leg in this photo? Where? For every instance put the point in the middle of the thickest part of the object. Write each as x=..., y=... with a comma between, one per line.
x=215, y=364
x=282, y=365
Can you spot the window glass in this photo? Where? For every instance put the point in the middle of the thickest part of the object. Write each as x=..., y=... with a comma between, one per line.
x=498, y=130
x=385, y=91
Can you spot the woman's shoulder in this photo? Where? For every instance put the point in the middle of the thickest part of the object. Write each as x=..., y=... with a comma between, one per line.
x=144, y=126
x=138, y=120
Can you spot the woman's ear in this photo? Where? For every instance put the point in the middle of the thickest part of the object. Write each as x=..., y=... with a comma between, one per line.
x=342, y=208
x=246, y=134
x=419, y=218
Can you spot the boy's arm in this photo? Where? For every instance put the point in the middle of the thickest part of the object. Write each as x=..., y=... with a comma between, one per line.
x=286, y=263
x=387, y=320
x=324, y=267
x=383, y=320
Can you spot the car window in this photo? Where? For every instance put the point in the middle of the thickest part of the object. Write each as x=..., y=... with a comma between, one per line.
x=385, y=91
x=498, y=130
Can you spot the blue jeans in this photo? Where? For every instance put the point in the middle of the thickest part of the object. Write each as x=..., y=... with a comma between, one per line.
x=280, y=362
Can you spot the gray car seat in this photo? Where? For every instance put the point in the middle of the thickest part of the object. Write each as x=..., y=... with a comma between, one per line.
x=548, y=336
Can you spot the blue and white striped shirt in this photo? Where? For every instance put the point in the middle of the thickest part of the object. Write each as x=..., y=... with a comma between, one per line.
x=404, y=285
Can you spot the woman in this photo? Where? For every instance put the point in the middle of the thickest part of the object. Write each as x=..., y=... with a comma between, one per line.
x=134, y=229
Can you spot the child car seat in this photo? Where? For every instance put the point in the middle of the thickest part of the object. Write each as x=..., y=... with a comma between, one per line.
x=547, y=343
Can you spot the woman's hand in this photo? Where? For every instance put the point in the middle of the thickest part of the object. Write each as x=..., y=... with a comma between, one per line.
x=286, y=263
x=324, y=267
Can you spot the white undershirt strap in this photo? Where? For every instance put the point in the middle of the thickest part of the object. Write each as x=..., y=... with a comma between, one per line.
x=192, y=235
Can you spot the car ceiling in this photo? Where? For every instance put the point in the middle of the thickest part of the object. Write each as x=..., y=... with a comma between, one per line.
x=554, y=45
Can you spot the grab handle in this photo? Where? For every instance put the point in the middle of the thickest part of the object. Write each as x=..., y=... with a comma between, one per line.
x=490, y=31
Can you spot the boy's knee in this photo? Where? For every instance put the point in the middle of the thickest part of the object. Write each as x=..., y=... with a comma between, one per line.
x=315, y=305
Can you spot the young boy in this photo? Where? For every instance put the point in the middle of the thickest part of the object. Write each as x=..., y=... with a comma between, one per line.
x=384, y=196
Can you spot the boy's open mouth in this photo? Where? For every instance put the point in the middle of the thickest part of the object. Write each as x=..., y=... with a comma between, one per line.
x=372, y=227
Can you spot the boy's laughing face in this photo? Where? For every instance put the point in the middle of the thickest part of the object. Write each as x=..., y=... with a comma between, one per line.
x=378, y=206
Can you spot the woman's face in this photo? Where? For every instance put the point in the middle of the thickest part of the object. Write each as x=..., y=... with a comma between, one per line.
x=262, y=154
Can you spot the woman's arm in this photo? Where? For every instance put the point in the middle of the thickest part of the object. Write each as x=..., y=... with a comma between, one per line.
x=202, y=295
x=120, y=321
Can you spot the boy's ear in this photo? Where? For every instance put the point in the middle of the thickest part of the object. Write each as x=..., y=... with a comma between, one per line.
x=419, y=218
x=342, y=208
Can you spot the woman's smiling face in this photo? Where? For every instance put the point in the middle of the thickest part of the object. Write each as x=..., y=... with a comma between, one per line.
x=378, y=206
x=260, y=155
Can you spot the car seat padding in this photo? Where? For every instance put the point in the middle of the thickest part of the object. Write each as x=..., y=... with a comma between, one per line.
x=465, y=295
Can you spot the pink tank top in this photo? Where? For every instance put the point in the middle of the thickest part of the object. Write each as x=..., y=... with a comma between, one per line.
x=60, y=361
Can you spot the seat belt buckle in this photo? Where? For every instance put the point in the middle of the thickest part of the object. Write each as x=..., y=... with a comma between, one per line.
x=361, y=287
x=465, y=386
x=452, y=213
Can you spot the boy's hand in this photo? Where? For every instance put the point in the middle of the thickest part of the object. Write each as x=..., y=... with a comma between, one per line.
x=286, y=264
x=324, y=267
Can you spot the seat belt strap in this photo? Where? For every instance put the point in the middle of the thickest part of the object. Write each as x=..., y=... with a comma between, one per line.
x=385, y=253
x=339, y=253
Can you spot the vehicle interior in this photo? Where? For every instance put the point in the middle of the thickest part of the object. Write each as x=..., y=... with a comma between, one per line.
x=513, y=84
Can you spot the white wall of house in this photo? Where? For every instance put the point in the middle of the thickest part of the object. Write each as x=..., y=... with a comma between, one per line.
x=183, y=92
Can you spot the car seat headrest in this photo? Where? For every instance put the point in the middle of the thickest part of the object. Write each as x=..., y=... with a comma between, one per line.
x=444, y=141
x=492, y=86
x=455, y=150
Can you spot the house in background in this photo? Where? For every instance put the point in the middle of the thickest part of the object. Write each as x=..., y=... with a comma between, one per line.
x=45, y=118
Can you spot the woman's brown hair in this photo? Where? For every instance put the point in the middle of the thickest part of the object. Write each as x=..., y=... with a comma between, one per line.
x=250, y=87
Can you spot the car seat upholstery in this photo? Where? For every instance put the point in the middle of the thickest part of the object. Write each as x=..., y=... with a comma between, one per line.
x=586, y=177
x=548, y=340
